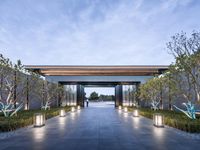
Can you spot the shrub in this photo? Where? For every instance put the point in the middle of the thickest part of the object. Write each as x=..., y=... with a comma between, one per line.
x=25, y=118
x=174, y=119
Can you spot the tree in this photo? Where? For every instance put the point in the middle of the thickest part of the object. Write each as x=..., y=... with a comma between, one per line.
x=8, y=89
x=186, y=70
x=170, y=87
x=94, y=96
x=106, y=97
x=187, y=66
x=152, y=91
x=50, y=93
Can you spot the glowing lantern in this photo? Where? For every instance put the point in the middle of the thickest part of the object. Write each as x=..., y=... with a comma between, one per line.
x=135, y=113
x=73, y=109
x=39, y=120
x=78, y=107
x=62, y=112
x=125, y=109
x=120, y=107
x=158, y=120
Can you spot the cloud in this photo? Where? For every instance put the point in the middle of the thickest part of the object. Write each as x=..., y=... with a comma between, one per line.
x=93, y=32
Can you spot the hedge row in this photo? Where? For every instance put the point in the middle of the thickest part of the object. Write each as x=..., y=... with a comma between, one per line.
x=25, y=118
x=174, y=119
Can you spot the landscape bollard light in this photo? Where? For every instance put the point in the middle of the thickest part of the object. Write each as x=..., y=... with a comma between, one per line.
x=135, y=113
x=158, y=120
x=73, y=109
x=39, y=120
x=62, y=113
x=78, y=107
x=120, y=107
x=125, y=109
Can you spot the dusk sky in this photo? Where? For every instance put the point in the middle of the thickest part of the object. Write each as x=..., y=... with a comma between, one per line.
x=93, y=32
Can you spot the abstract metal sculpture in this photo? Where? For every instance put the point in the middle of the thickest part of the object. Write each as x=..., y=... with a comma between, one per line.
x=46, y=106
x=9, y=110
x=190, y=112
x=154, y=105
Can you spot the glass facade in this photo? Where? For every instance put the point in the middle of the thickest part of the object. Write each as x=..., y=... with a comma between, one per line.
x=70, y=95
x=129, y=95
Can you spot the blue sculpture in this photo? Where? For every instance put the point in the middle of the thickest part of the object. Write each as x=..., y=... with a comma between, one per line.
x=9, y=110
x=190, y=112
x=154, y=105
x=46, y=106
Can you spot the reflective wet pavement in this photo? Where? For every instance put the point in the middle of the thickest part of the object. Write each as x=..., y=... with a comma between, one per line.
x=99, y=127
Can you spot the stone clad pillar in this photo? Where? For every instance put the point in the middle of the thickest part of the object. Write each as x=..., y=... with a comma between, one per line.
x=80, y=95
x=118, y=95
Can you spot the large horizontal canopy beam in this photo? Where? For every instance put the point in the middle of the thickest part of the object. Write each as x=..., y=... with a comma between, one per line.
x=98, y=70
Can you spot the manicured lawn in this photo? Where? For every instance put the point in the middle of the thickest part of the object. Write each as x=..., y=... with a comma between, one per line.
x=25, y=118
x=174, y=119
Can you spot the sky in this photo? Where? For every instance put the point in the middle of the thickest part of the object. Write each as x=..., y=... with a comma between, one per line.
x=94, y=32
x=100, y=90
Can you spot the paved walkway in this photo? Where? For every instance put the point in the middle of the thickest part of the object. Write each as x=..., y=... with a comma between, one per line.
x=99, y=128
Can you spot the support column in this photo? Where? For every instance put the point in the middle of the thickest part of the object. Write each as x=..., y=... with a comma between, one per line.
x=59, y=94
x=138, y=90
x=80, y=95
x=118, y=95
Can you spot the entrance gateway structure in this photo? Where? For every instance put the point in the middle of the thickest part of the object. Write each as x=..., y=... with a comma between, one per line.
x=125, y=80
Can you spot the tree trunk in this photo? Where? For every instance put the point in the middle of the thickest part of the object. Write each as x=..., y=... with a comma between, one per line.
x=161, y=96
x=27, y=93
x=15, y=89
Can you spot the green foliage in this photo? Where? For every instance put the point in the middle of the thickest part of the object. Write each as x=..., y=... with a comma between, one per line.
x=17, y=84
x=153, y=90
x=106, y=97
x=150, y=90
x=183, y=77
x=94, y=96
x=186, y=69
x=174, y=119
x=25, y=118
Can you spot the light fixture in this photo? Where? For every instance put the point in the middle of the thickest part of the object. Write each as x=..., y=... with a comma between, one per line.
x=39, y=119
x=72, y=109
x=158, y=120
x=78, y=107
x=62, y=112
x=26, y=107
x=125, y=109
x=135, y=113
x=120, y=107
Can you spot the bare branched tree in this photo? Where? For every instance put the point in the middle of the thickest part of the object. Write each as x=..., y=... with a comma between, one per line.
x=8, y=102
